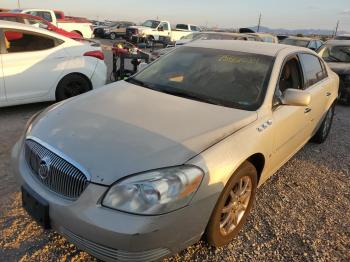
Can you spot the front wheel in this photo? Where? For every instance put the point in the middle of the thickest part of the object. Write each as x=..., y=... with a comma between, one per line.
x=323, y=131
x=72, y=85
x=233, y=206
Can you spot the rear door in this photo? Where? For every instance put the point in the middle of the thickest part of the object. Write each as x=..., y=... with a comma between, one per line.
x=317, y=83
x=32, y=64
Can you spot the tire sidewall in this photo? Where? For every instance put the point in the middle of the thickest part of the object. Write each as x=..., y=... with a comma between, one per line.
x=213, y=234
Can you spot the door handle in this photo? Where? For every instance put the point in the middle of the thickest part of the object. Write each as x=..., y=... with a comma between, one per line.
x=307, y=110
x=328, y=94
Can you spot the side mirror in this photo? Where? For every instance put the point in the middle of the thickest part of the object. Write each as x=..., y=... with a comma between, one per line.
x=160, y=28
x=296, y=97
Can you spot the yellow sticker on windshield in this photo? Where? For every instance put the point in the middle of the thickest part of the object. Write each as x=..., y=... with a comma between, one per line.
x=238, y=60
x=178, y=79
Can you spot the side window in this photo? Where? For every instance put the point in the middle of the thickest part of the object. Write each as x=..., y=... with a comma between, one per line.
x=312, y=45
x=44, y=15
x=290, y=78
x=58, y=15
x=19, y=41
x=194, y=28
x=165, y=26
x=313, y=70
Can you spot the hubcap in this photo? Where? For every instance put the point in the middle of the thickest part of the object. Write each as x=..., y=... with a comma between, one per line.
x=236, y=205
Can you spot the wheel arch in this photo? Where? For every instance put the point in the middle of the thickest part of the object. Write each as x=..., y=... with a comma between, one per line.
x=78, y=32
x=258, y=161
x=70, y=74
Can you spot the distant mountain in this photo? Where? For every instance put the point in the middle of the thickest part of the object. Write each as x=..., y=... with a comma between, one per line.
x=296, y=31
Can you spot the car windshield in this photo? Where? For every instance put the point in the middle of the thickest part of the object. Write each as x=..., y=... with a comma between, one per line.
x=151, y=23
x=336, y=54
x=220, y=77
x=295, y=42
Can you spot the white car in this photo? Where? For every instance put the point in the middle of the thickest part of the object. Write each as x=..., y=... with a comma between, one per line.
x=39, y=65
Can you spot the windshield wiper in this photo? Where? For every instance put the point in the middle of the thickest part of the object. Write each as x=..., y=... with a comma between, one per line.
x=136, y=82
x=190, y=96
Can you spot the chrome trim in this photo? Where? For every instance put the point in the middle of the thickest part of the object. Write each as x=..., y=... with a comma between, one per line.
x=62, y=155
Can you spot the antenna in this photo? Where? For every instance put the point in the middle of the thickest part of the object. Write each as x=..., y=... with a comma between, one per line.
x=259, y=22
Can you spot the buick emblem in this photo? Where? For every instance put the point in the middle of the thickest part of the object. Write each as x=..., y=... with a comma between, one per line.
x=44, y=167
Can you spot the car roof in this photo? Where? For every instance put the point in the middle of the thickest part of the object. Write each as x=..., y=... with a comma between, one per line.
x=20, y=26
x=338, y=42
x=253, y=47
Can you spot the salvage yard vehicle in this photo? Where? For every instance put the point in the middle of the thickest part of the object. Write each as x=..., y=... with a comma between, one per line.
x=57, y=18
x=114, y=31
x=39, y=65
x=342, y=37
x=37, y=22
x=153, y=30
x=265, y=37
x=175, y=152
x=337, y=54
x=310, y=43
x=216, y=36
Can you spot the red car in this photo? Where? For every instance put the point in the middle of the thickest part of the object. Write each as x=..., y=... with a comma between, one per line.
x=38, y=22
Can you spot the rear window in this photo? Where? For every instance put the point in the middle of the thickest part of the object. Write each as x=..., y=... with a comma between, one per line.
x=295, y=42
x=220, y=77
x=182, y=26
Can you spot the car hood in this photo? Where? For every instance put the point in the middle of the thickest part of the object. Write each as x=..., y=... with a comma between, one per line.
x=340, y=68
x=123, y=129
x=142, y=28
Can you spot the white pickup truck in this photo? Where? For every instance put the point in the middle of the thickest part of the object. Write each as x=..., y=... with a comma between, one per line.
x=153, y=30
x=71, y=24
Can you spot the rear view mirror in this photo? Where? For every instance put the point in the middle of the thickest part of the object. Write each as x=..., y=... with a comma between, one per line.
x=296, y=97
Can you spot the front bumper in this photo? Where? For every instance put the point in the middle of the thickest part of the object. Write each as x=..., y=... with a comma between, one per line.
x=112, y=235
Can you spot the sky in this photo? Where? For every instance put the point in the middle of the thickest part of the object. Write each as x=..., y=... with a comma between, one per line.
x=292, y=14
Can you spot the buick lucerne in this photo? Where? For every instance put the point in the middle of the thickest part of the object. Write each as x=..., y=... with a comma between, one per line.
x=145, y=167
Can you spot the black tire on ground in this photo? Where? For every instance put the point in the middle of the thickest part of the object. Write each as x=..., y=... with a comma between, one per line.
x=324, y=129
x=149, y=41
x=214, y=234
x=112, y=36
x=72, y=85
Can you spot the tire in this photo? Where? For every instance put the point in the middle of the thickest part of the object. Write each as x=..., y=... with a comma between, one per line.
x=323, y=131
x=72, y=85
x=112, y=36
x=215, y=234
x=149, y=41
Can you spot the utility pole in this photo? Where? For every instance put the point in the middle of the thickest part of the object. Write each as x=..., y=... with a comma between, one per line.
x=336, y=29
x=259, y=22
x=18, y=3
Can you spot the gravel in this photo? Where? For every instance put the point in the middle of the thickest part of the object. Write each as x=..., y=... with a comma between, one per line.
x=301, y=213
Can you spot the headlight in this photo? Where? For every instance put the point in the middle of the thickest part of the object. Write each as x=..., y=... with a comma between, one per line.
x=155, y=192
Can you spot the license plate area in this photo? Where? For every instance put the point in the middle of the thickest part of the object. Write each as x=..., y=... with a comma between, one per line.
x=36, y=206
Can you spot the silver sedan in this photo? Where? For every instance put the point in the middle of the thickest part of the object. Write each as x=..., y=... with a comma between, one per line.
x=142, y=168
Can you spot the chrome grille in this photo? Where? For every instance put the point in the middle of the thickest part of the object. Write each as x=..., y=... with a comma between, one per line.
x=54, y=172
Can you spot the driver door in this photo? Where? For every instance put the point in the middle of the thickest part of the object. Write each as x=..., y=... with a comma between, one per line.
x=290, y=123
x=166, y=29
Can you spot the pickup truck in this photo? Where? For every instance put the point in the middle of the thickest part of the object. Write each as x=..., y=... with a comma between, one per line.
x=153, y=30
x=71, y=24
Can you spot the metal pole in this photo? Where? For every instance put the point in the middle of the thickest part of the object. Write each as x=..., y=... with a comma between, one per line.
x=18, y=3
x=259, y=22
x=336, y=29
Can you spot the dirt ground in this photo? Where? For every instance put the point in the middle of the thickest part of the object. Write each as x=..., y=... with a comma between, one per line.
x=301, y=213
